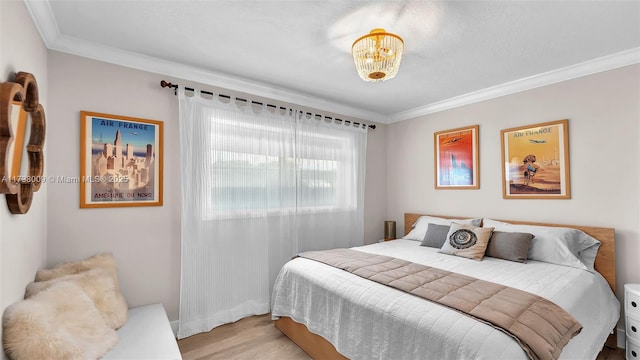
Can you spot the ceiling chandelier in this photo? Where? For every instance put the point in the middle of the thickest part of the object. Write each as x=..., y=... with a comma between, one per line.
x=377, y=55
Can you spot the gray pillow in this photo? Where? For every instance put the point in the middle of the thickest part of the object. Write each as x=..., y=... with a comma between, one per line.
x=436, y=235
x=512, y=246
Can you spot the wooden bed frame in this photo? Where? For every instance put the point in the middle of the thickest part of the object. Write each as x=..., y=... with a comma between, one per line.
x=319, y=348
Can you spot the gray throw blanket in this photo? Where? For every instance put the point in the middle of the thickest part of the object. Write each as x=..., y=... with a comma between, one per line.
x=541, y=327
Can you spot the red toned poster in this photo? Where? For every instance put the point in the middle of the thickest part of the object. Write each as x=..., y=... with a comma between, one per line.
x=456, y=154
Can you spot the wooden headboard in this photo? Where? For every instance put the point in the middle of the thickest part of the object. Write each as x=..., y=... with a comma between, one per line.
x=605, y=260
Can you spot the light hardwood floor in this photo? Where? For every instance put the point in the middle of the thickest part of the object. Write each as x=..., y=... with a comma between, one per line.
x=255, y=337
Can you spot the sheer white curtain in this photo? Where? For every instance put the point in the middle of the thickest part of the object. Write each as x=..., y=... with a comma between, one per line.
x=330, y=177
x=258, y=185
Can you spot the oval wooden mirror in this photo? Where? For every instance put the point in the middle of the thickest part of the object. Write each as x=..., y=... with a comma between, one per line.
x=21, y=118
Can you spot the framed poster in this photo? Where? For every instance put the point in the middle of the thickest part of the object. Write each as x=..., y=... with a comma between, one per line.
x=120, y=161
x=536, y=161
x=456, y=158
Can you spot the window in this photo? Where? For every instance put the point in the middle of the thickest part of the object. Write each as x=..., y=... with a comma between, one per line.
x=279, y=168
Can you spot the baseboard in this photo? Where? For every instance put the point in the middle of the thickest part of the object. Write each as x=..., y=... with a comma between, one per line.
x=174, y=328
x=621, y=338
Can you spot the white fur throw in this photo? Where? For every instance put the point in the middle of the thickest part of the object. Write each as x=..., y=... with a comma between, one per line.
x=105, y=260
x=99, y=285
x=60, y=322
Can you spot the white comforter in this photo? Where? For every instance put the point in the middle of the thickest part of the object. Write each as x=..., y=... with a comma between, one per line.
x=367, y=320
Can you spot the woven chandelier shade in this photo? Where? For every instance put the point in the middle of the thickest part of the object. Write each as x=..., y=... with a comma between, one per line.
x=377, y=55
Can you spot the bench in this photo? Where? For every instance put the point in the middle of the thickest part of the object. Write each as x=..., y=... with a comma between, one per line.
x=146, y=335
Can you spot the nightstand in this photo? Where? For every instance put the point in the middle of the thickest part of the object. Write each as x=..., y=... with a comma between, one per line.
x=632, y=320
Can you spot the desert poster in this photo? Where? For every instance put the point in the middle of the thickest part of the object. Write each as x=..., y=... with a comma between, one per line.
x=536, y=161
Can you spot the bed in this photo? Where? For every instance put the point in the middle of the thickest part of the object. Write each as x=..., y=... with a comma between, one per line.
x=332, y=314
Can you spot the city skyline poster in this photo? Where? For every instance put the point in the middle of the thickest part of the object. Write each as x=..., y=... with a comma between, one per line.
x=120, y=161
x=456, y=158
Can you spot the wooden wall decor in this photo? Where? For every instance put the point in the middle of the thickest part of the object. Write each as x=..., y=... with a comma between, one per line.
x=17, y=96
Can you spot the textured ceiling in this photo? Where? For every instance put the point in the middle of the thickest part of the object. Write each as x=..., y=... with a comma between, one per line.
x=303, y=47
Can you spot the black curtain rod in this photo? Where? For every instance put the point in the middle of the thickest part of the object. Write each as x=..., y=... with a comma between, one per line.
x=165, y=84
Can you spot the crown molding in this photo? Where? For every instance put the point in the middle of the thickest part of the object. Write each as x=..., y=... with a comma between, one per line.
x=44, y=20
x=130, y=59
x=609, y=62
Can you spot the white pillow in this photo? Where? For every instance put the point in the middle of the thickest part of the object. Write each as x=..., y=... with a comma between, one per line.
x=420, y=226
x=556, y=245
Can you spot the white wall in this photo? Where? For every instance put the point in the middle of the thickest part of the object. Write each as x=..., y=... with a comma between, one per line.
x=22, y=237
x=145, y=241
x=604, y=116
